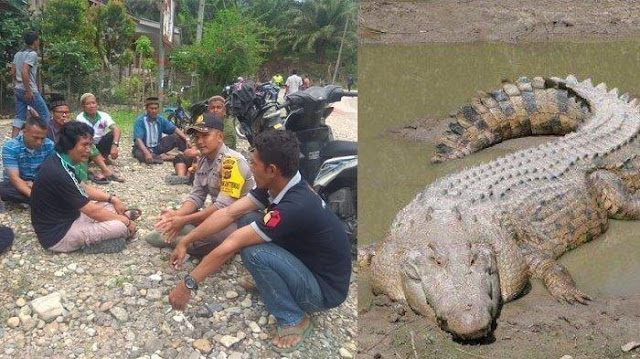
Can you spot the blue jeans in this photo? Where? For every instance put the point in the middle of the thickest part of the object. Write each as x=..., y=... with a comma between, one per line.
x=287, y=286
x=37, y=102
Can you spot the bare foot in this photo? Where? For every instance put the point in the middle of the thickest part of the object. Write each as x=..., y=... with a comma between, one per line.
x=291, y=336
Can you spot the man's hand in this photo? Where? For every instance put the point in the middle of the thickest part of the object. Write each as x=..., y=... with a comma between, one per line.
x=29, y=184
x=114, y=152
x=179, y=296
x=171, y=227
x=167, y=213
x=148, y=158
x=176, y=260
x=28, y=95
x=131, y=227
x=118, y=205
x=191, y=152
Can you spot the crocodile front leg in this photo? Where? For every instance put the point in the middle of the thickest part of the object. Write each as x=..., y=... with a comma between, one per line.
x=614, y=194
x=554, y=275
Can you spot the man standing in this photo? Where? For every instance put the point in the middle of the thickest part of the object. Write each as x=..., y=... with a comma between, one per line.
x=24, y=70
x=149, y=145
x=22, y=157
x=222, y=173
x=297, y=252
x=63, y=213
x=293, y=84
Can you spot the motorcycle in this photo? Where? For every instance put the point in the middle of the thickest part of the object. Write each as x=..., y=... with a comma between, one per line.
x=329, y=165
x=255, y=111
x=178, y=115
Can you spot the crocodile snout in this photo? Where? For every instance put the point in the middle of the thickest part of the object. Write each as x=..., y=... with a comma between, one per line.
x=473, y=322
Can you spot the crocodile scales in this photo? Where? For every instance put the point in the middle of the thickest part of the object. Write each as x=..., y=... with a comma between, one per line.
x=472, y=240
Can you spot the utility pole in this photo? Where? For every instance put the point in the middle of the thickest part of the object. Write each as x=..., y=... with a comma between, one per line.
x=200, y=22
x=161, y=5
x=344, y=33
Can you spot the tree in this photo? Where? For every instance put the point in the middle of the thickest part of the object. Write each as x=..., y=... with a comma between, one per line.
x=13, y=24
x=231, y=46
x=113, y=31
x=317, y=25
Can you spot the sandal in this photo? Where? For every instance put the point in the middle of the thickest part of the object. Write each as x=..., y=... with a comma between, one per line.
x=115, y=177
x=99, y=180
x=285, y=332
x=133, y=213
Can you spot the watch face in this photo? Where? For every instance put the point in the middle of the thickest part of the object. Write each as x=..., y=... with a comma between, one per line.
x=190, y=283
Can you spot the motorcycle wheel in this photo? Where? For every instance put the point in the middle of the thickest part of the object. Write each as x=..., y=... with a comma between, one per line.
x=174, y=119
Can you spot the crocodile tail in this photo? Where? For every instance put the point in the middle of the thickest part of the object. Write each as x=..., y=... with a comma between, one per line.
x=526, y=108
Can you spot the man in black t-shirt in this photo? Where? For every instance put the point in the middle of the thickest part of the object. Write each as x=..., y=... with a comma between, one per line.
x=63, y=213
x=296, y=250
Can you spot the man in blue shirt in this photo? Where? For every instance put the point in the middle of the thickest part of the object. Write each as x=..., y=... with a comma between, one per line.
x=296, y=249
x=21, y=158
x=149, y=145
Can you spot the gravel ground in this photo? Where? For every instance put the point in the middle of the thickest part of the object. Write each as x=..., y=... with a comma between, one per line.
x=116, y=306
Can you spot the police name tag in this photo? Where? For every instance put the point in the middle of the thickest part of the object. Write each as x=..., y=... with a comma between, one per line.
x=231, y=180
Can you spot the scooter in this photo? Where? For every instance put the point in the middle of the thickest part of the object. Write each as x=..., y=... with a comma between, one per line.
x=178, y=115
x=329, y=165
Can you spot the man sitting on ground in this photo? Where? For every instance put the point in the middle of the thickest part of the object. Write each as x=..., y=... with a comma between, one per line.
x=216, y=107
x=63, y=213
x=106, y=136
x=60, y=116
x=298, y=252
x=22, y=157
x=150, y=146
x=222, y=173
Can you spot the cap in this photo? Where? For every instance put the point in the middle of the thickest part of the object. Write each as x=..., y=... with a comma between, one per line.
x=209, y=122
x=151, y=101
x=85, y=96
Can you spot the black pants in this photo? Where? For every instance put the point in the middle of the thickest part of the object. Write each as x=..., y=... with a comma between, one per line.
x=104, y=146
x=9, y=193
x=165, y=145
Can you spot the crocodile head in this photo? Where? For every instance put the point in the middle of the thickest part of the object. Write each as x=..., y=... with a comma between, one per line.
x=458, y=281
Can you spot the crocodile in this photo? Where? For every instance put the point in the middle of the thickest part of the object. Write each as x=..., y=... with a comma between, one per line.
x=473, y=240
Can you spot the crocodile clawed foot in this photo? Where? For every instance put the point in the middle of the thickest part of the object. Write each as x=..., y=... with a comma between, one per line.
x=570, y=295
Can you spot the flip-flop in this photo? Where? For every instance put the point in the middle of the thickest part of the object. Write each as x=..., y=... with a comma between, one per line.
x=96, y=180
x=115, y=177
x=133, y=213
x=304, y=334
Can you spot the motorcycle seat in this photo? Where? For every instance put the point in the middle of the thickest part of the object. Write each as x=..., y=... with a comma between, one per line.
x=339, y=149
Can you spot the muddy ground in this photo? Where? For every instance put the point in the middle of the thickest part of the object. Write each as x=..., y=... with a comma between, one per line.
x=510, y=21
x=534, y=326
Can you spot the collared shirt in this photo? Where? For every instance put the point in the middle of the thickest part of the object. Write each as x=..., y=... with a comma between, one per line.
x=53, y=131
x=27, y=56
x=208, y=177
x=150, y=131
x=101, y=124
x=299, y=221
x=16, y=155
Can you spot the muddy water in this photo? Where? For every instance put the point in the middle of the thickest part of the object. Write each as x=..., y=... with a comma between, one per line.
x=400, y=84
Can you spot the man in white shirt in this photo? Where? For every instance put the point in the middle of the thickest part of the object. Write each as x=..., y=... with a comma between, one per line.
x=293, y=83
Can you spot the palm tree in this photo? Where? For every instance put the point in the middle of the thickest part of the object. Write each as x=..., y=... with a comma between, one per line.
x=318, y=25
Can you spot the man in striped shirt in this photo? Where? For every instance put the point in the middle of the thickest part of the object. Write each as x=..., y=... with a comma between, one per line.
x=21, y=159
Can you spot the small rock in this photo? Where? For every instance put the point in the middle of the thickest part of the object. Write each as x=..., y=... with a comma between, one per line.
x=246, y=303
x=155, y=277
x=255, y=328
x=13, y=322
x=178, y=318
x=48, y=307
x=120, y=314
x=51, y=328
x=231, y=294
x=203, y=345
x=72, y=267
x=344, y=353
x=58, y=273
x=262, y=321
x=21, y=302
x=154, y=294
x=228, y=340
x=630, y=346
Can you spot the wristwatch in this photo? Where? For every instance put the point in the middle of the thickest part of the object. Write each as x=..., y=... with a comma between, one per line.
x=190, y=283
x=116, y=143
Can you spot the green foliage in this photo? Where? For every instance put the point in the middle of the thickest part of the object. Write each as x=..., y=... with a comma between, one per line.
x=113, y=31
x=64, y=20
x=147, y=9
x=143, y=46
x=128, y=90
x=125, y=119
x=72, y=66
x=318, y=25
x=231, y=45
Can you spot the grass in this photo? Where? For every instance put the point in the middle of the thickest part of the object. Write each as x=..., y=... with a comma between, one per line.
x=124, y=119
